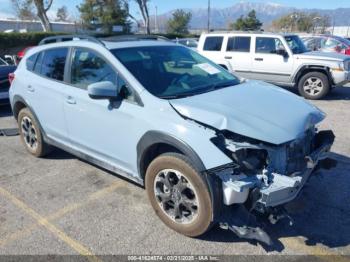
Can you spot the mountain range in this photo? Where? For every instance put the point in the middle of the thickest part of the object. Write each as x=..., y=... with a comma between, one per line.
x=266, y=12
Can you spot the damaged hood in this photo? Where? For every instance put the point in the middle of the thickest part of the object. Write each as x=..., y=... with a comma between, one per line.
x=253, y=109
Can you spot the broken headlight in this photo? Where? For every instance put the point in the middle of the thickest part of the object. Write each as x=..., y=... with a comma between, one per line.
x=244, y=152
x=250, y=159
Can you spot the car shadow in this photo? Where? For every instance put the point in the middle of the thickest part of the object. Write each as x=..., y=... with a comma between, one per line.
x=338, y=93
x=321, y=213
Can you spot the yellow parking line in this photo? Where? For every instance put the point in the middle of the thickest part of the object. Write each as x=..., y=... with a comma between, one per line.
x=50, y=227
x=93, y=197
x=316, y=251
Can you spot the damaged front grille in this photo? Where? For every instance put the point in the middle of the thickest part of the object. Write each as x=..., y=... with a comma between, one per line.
x=297, y=152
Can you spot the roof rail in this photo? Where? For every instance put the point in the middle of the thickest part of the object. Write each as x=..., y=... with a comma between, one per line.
x=125, y=38
x=64, y=38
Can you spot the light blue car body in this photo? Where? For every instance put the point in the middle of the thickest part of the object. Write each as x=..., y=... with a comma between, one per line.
x=84, y=126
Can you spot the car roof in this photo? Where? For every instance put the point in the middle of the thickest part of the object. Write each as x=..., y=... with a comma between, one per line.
x=248, y=33
x=129, y=44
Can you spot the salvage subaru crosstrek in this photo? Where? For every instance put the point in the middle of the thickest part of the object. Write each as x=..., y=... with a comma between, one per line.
x=201, y=140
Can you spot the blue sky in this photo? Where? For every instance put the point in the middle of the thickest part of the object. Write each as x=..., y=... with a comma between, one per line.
x=166, y=5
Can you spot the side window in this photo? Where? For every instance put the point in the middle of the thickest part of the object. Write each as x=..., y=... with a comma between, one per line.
x=213, y=43
x=31, y=62
x=38, y=63
x=239, y=44
x=268, y=45
x=88, y=68
x=53, y=63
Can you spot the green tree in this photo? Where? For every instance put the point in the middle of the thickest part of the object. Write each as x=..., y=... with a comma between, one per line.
x=62, y=14
x=301, y=22
x=179, y=23
x=250, y=22
x=104, y=14
x=25, y=10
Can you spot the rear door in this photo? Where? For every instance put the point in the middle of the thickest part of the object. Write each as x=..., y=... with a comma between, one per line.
x=45, y=88
x=269, y=66
x=238, y=54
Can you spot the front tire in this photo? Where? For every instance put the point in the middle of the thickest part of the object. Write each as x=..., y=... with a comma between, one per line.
x=31, y=135
x=314, y=85
x=179, y=194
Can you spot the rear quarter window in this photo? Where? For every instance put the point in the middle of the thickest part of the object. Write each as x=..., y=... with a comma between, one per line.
x=213, y=43
x=30, y=63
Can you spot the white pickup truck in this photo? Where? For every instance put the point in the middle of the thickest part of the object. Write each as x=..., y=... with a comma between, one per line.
x=279, y=59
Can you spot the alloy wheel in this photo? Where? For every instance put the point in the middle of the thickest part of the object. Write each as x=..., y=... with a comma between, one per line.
x=313, y=86
x=176, y=196
x=29, y=133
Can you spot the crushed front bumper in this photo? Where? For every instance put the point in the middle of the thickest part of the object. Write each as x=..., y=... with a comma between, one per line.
x=284, y=189
x=271, y=189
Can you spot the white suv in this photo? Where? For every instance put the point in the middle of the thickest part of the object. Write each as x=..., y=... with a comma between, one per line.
x=279, y=59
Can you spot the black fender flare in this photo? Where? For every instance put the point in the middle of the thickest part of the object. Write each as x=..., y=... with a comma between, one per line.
x=20, y=99
x=310, y=68
x=151, y=138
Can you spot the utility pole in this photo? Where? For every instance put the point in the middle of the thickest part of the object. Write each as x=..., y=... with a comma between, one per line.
x=208, y=16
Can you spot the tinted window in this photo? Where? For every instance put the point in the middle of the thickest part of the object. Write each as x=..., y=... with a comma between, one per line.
x=267, y=45
x=53, y=63
x=213, y=43
x=37, y=66
x=238, y=44
x=31, y=62
x=89, y=68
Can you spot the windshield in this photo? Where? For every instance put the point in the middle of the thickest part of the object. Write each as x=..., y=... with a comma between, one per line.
x=296, y=45
x=172, y=72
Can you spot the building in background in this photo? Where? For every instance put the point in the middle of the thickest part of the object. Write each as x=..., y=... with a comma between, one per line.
x=9, y=25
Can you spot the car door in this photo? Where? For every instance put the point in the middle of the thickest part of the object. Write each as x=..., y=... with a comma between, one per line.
x=238, y=54
x=45, y=88
x=100, y=128
x=269, y=66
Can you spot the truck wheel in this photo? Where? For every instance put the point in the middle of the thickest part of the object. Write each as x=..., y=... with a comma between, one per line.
x=314, y=85
x=179, y=195
x=31, y=135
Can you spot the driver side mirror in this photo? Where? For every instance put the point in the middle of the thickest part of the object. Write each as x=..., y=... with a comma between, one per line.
x=282, y=52
x=103, y=90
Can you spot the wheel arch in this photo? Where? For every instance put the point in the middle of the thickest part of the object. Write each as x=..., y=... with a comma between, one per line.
x=18, y=104
x=155, y=143
x=313, y=68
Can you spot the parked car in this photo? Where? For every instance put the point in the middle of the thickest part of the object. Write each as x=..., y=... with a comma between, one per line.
x=279, y=59
x=22, y=52
x=5, y=70
x=327, y=43
x=200, y=139
x=189, y=42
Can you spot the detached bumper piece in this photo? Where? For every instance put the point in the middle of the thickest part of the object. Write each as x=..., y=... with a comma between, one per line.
x=9, y=132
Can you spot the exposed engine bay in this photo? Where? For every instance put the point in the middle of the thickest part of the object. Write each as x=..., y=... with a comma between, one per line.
x=264, y=176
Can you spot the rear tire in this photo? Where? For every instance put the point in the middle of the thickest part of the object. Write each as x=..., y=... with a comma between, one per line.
x=179, y=195
x=31, y=135
x=314, y=85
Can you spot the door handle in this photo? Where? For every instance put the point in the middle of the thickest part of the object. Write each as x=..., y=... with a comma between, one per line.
x=71, y=100
x=259, y=59
x=228, y=57
x=30, y=88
